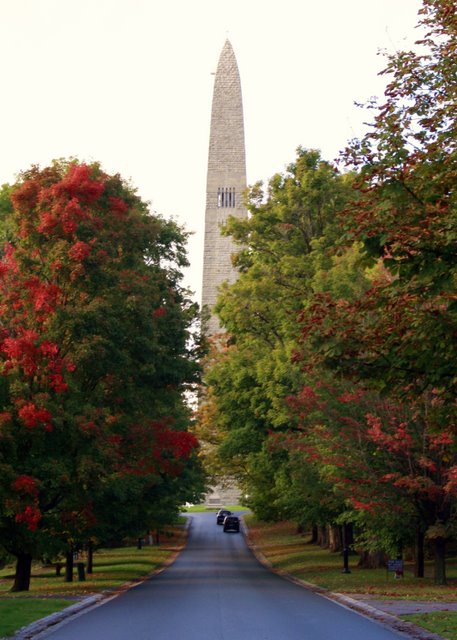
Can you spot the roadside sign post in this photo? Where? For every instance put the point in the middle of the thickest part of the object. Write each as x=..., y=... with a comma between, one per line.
x=395, y=566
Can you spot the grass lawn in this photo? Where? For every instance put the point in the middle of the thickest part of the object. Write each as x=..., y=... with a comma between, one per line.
x=199, y=508
x=15, y=614
x=49, y=593
x=289, y=552
x=443, y=623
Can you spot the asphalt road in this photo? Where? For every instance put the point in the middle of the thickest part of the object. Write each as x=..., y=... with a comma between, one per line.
x=217, y=590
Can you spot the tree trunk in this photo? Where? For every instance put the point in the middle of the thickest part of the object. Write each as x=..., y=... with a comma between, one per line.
x=334, y=538
x=314, y=534
x=419, y=561
x=372, y=560
x=69, y=566
x=90, y=557
x=23, y=571
x=322, y=537
x=440, y=560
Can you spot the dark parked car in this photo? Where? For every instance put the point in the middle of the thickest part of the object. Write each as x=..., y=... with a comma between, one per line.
x=232, y=523
x=221, y=514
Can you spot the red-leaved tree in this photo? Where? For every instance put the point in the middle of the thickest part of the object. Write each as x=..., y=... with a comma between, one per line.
x=386, y=460
x=94, y=356
x=399, y=336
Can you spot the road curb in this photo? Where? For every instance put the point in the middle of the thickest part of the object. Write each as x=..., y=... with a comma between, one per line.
x=408, y=629
x=35, y=629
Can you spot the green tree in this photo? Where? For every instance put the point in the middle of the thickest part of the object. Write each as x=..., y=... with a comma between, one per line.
x=406, y=213
x=250, y=376
x=397, y=337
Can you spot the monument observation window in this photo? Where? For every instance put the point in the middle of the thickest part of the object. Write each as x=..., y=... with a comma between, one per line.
x=226, y=197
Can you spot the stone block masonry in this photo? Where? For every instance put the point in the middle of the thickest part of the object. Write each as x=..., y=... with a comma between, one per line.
x=226, y=179
x=226, y=182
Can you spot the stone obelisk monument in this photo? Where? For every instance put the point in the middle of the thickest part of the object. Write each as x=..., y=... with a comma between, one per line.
x=226, y=179
x=226, y=182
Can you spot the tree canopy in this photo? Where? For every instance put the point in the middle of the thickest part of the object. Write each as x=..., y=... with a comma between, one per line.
x=336, y=389
x=95, y=356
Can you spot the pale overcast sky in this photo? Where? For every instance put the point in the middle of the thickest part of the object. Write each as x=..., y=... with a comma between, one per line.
x=128, y=83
